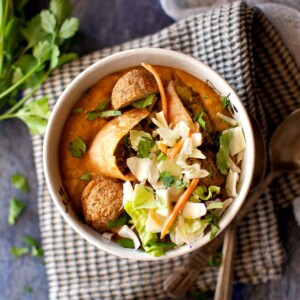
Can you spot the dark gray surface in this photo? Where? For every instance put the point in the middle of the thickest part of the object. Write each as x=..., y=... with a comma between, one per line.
x=103, y=23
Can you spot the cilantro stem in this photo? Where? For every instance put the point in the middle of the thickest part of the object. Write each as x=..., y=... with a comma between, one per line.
x=9, y=113
x=2, y=29
x=6, y=92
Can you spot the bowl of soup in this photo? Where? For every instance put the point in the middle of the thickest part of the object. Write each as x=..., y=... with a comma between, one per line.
x=148, y=154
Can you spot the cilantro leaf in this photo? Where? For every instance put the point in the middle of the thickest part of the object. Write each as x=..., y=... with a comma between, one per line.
x=170, y=180
x=61, y=9
x=126, y=243
x=35, y=114
x=77, y=110
x=85, y=176
x=37, y=251
x=144, y=102
x=103, y=105
x=68, y=28
x=225, y=101
x=93, y=115
x=27, y=289
x=19, y=182
x=48, y=21
x=77, y=148
x=15, y=209
x=212, y=219
x=119, y=222
x=54, y=57
x=223, y=154
x=66, y=57
x=144, y=147
x=200, y=120
x=41, y=51
x=29, y=240
x=19, y=251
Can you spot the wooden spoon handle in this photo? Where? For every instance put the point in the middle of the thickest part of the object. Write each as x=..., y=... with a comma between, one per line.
x=178, y=283
x=225, y=276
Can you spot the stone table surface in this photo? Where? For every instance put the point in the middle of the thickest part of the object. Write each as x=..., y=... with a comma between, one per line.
x=103, y=23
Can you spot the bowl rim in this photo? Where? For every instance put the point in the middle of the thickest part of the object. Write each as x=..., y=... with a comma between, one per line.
x=84, y=230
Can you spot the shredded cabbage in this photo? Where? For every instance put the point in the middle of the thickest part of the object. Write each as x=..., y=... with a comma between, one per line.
x=143, y=197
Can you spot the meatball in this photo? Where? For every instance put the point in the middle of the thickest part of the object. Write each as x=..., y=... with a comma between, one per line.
x=134, y=85
x=102, y=202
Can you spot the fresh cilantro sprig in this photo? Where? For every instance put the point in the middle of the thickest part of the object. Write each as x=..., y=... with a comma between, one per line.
x=225, y=101
x=30, y=50
x=19, y=182
x=170, y=180
x=144, y=102
x=77, y=148
x=144, y=147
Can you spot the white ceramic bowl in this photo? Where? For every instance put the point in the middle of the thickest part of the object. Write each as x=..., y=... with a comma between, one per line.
x=88, y=78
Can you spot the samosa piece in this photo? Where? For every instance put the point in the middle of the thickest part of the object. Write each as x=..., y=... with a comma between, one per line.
x=177, y=111
x=134, y=85
x=103, y=147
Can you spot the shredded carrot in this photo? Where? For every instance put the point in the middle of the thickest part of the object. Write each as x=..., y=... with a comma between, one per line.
x=152, y=70
x=154, y=217
x=176, y=149
x=178, y=207
x=163, y=148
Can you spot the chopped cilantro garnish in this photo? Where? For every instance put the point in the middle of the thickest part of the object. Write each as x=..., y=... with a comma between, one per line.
x=212, y=220
x=15, y=209
x=85, y=176
x=29, y=241
x=170, y=180
x=77, y=148
x=77, y=110
x=225, y=101
x=119, y=222
x=103, y=105
x=19, y=251
x=126, y=243
x=19, y=182
x=144, y=147
x=93, y=115
x=144, y=102
x=200, y=120
x=37, y=251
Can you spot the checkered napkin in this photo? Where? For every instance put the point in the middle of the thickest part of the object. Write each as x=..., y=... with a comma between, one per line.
x=240, y=44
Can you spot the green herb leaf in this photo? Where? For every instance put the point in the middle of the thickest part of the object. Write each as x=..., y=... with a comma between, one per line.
x=35, y=114
x=126, y=243
x=144, y=102
x=225, y=101
x=61, y=9
x=15, y=209
x=19, y=182
x=93, y=115
x=66, y=57
x=77, y=110
x=41, y=51
x=200, y=120
x=17, y=75
x=77, y=148
x=68, y=28
x=223, y=154
x=103, y=105
x=19, y=251
x=37, y=251
x=27, y=289
x=119, y=222
x=48, y=21
x=215, y=205
x=29, y=240
x=170, y=180
x=212, y=219
x=144, y=147
x=54, y=57
x=85, y=176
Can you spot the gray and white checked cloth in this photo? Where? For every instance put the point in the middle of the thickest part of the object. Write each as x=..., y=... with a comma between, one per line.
x=240, y=44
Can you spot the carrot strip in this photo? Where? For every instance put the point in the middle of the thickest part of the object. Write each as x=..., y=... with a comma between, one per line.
x=176, y=149
x=178, y=207
x=154, y=217
x=163, y=148
x=152, y=70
